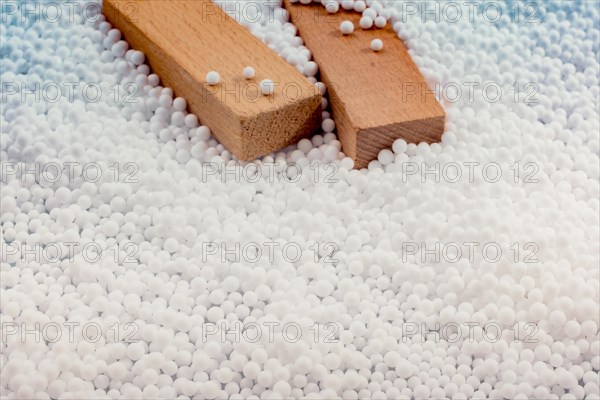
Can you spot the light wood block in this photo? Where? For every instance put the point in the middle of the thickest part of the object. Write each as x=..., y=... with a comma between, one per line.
x=376, y=97
x=185, y=39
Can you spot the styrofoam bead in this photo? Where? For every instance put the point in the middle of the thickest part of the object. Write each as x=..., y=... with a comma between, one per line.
x=119, y=48
x=328, y=125
x=332, y=6
x=171, y=245
x=267, y=87
x=385, y=157
x=359, y=6
x=366, y=22
x=321, y=87
x=248, y=72
x=213, y=78
x=380, y=21
x=572, y=329
x=311, y=68
x=347, y=4
x=376, y=45
x=347, y=163
x=346, y=27
x=399, y=146
x=138, y=58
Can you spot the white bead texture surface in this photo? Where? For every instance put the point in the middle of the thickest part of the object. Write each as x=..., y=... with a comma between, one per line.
x=136, y=264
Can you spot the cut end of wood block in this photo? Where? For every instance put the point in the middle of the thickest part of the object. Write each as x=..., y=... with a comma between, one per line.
x=372, y=140
x=280, y=128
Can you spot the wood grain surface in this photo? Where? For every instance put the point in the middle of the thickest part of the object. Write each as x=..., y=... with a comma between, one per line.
x=376, y=97
x=185, y=39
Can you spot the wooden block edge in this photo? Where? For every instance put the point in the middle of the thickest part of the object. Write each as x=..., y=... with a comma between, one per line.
x=370, y=141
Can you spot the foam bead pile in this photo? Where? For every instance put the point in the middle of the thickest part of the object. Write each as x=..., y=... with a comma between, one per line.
x=136, y=264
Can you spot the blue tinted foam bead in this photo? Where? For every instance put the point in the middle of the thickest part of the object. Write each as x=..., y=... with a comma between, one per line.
x=332, y=6
x=267, y=87
x=249, y=72
x=213, y=78
x=346, y=27
x=376, y=45
x=366, y=22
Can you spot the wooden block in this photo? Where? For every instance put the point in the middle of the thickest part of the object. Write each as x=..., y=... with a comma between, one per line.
x=185, y=39
x=376, y=97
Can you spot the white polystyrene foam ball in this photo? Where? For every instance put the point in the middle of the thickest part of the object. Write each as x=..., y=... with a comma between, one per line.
x=249, y=72
x=346, y=27
x=213, y=77
x=267, y=87
x=376, y=45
